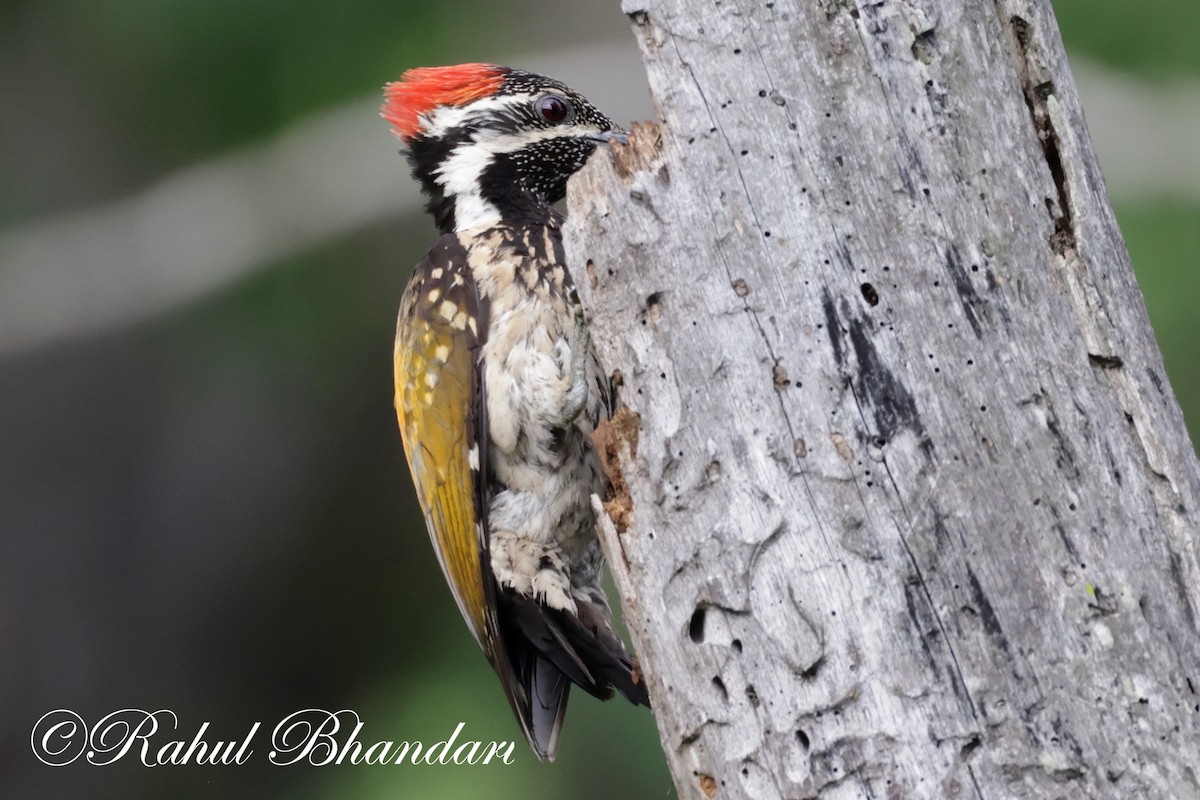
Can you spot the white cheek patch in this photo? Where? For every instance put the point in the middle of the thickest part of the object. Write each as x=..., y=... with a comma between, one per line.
x=459, y=176
x=462, y=169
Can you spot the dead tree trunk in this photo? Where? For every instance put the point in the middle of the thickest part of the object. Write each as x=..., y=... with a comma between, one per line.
x=914, y=511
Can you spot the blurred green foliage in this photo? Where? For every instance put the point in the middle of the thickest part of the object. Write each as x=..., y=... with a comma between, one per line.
x=1155, y=39
x=134, y=88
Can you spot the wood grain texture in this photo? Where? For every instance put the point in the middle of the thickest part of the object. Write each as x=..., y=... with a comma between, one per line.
x=914, y=508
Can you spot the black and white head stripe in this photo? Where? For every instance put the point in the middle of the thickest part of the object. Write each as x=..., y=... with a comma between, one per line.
x=507, y=153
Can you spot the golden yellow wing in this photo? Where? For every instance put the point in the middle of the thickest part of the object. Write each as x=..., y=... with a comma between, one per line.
x=537, y=652
x=439, y=407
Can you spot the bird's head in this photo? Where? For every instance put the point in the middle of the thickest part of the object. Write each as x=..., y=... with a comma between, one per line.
x=491, y=144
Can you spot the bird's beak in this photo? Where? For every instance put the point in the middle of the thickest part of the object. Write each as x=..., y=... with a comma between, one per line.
x=618, y=136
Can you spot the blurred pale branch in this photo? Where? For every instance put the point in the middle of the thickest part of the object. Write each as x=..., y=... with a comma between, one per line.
x=216, y=222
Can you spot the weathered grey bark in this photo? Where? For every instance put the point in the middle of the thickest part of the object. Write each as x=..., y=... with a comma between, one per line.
x=914, y=511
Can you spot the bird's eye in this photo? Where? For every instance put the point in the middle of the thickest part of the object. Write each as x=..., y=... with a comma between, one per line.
x=554, y=109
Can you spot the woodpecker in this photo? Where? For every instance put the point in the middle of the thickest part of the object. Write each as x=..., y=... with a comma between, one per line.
x=497, y=386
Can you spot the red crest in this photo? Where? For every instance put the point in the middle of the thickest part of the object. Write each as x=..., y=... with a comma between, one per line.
x=421, y=90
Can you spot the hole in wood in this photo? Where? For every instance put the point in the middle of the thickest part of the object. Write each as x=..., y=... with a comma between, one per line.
x=696, y=626
x=970, y=747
